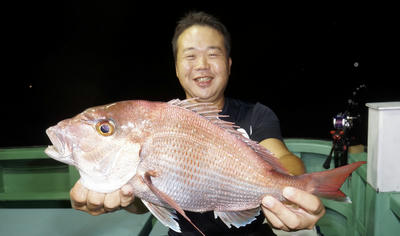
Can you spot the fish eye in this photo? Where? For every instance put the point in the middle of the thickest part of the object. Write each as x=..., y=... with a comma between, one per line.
x=105, y=127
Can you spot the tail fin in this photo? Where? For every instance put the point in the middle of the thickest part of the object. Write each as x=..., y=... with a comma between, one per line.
x=327, y=183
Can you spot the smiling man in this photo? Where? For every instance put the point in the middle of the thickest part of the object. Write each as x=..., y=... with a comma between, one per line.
x=201, y=47
x=202, y=64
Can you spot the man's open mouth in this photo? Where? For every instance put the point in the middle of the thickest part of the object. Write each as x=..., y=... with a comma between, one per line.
x=203, y=81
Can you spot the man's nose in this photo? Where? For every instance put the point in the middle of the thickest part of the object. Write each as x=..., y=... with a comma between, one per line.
x=202, y=63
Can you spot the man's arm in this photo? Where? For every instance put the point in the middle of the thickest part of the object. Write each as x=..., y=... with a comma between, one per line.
x=291, y=162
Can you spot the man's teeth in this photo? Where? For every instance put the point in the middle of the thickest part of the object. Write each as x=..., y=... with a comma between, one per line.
x=203, y=79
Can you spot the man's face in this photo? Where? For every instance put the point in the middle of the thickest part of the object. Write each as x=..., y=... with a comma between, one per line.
x=202, y=65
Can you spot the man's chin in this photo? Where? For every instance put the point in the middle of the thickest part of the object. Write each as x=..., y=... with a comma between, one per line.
x=203, y=98
x=207, y=99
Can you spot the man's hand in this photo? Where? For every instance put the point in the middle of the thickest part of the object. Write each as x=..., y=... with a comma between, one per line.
x=304, y=214
x=96, y=203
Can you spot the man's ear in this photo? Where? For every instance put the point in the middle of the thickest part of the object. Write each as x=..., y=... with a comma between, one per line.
x=229, y=65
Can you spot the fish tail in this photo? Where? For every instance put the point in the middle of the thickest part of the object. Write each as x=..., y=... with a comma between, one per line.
x=327, y=183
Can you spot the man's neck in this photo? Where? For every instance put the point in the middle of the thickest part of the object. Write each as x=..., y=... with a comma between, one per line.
x=219, y=103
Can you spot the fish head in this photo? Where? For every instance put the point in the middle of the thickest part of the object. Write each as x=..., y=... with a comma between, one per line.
x=103, y=143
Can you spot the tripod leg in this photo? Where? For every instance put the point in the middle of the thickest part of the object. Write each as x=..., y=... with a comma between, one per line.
x=327, y=163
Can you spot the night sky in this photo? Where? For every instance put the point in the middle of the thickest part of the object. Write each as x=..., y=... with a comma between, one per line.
x=302, y=61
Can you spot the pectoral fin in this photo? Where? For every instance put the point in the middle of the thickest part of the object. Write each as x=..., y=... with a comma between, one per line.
x=237, y=218
x=164, y=197
x=164, y=215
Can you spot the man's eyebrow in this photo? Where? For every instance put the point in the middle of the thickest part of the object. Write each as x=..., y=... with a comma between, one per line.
x=215, y=47
x=209, y=48
x=188, y=49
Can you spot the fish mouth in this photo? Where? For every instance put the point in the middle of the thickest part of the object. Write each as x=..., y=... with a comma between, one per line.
x=59, y=150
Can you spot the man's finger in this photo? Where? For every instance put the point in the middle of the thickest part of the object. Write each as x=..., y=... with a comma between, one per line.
x=288, y=218
x=126, y=195
x=112, y=201
x=78, y=195
x=95, y=201
x=272, y=219
x=305, y=200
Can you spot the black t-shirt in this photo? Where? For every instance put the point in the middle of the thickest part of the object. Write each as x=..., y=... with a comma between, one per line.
x=260, y=123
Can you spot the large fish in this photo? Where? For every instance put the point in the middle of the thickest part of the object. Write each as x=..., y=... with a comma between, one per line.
x=179, y=156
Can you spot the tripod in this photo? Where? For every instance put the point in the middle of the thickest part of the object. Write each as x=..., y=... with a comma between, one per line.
x=340, y=144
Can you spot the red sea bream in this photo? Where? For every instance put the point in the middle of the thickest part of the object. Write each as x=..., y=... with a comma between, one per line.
x=179, y=156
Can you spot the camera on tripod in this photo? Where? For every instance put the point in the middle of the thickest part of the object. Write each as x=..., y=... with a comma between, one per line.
x=342, y=123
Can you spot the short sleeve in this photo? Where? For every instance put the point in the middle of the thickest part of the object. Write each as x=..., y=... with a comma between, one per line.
x=264, y=124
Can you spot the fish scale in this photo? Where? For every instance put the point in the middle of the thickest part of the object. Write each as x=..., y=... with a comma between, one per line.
x=209, y=171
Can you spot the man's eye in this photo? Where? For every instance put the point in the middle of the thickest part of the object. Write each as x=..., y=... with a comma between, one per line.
x=190, y=57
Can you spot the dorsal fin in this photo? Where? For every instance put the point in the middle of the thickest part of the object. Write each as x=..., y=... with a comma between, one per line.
x=211, y=112
x=208, y=111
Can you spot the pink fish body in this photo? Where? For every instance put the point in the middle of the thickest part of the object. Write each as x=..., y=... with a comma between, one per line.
x=179, y=155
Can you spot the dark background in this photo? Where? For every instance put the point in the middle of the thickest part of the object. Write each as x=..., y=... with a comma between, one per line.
x=303, y=61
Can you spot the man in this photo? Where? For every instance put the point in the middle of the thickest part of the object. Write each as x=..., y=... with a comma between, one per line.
x=201, y=47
